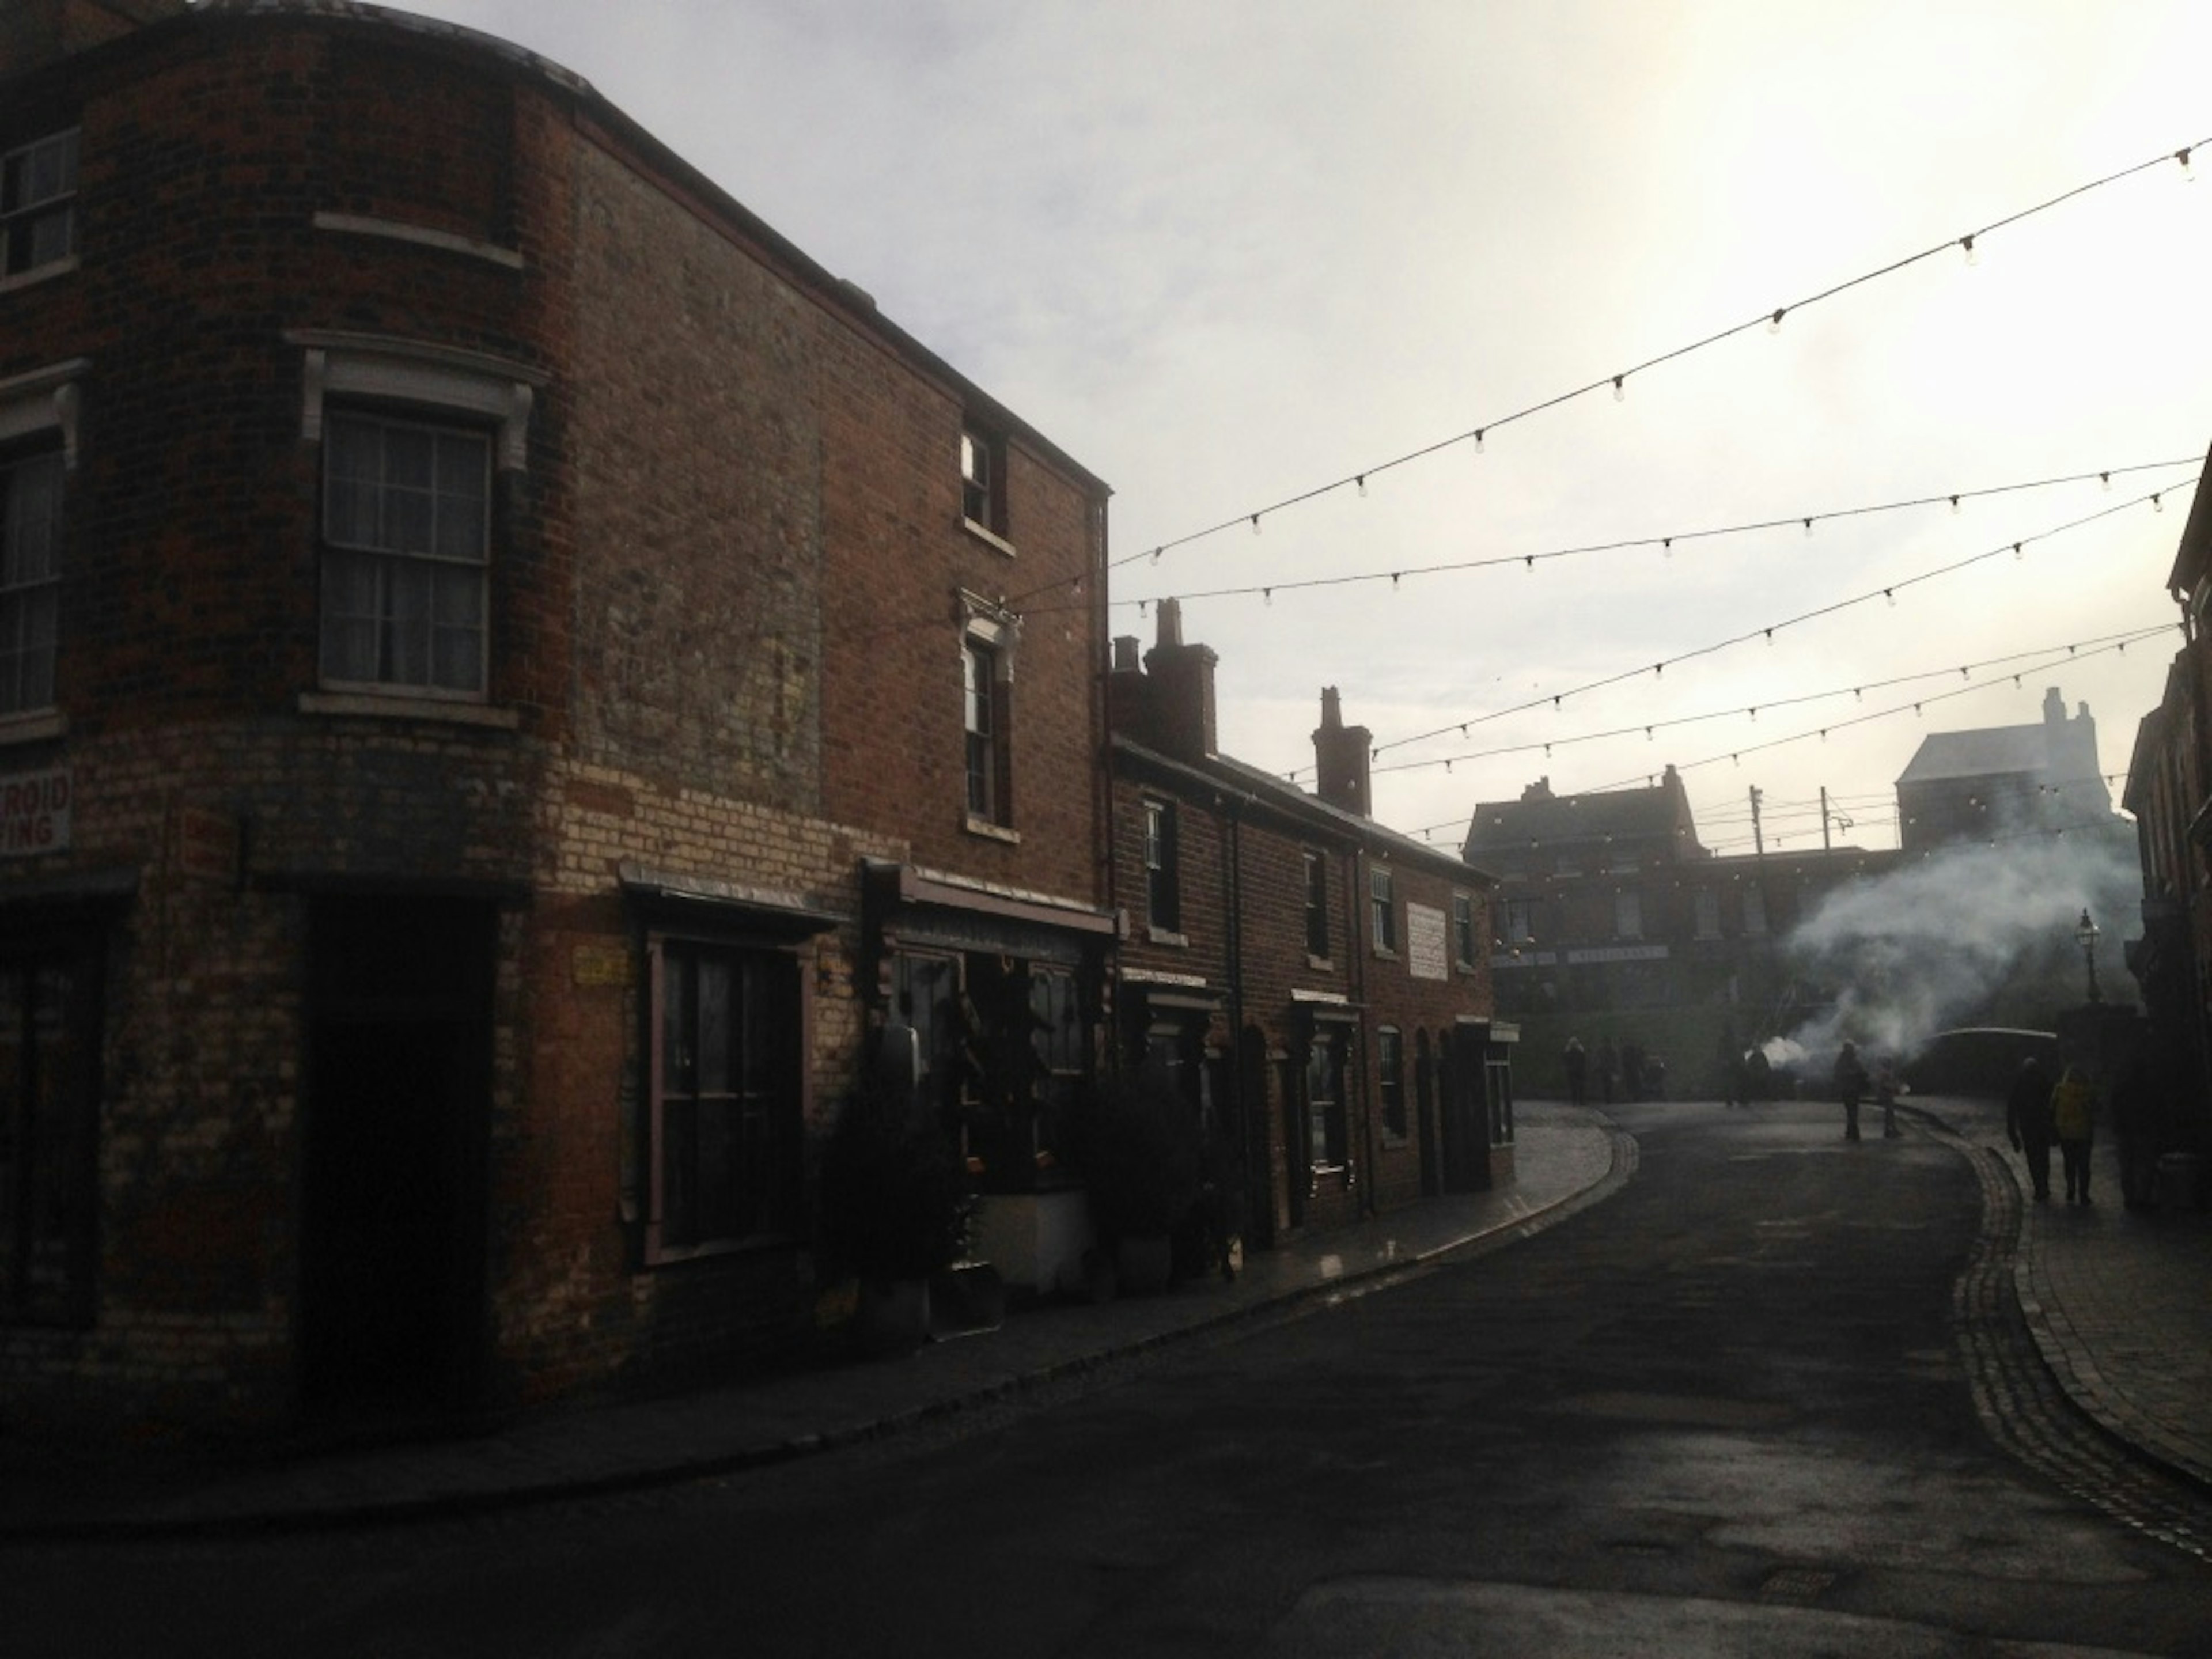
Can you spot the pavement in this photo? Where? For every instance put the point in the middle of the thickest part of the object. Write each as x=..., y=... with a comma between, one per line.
x=2119, y=1303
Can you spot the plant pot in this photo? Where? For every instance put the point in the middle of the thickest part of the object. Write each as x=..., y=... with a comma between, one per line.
x=891, y=1316
x=1143, y=1262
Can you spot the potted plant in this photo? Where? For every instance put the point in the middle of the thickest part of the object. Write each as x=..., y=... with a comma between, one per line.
x=895, y=1209
x=1137, y=1148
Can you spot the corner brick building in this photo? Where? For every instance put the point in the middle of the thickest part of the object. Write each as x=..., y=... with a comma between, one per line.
x=1319, y=985
x=508, y=669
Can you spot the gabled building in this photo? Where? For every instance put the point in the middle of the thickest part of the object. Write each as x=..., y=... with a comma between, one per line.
x=505, y=681
x=1613, y=923
x=1318, y=983
x=2003, y=781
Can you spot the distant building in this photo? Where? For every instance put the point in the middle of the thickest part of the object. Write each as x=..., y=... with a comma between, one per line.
x=1319, y=984
x=1612, y=921
x=2001, y=781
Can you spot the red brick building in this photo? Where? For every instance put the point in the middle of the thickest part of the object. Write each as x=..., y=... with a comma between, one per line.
x=1319, y=984
x=505, y=673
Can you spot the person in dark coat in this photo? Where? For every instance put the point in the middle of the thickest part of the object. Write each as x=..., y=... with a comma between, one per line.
x=1576, y=1060
x=2027, y=1123
x=1609, y=1068
x=1851, y=1081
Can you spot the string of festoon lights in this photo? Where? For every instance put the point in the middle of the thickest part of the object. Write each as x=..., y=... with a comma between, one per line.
x=2081, y=651
x=1887, y=593
x=1667, y=543
x=2042, y=655
x=1970, y=244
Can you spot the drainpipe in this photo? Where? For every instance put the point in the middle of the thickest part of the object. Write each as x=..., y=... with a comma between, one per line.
x=1362, y=903
x=1255, y=1191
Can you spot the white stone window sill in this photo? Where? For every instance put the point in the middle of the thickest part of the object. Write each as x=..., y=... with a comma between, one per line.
x=61, y=267
x=421, y=235
x=1167, y=936
x=985, y=533
x=382, y=705
x=990, y=831
x=33, y=728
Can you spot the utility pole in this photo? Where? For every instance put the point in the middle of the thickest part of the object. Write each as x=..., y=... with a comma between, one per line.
x=1825, y=845
x=1758, y=838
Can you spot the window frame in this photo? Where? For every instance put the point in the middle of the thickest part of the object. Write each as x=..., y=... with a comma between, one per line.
x=1162, y=868
x=777, y=1097
x=1390, y=1081
x=1465, y=939
x=1628, y=912
x=1317, y=935
x=1382, y=909
x=71, y=1172
x=30, y=604
x=390, y=562
x=983, y=720
x=983, y=480
x=1328, y=1133
x=21, y=221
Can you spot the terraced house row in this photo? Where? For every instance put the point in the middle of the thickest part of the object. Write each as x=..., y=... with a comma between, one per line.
x=510, y=675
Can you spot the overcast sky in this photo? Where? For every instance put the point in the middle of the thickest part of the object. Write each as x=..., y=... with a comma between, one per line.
x=1227, y=253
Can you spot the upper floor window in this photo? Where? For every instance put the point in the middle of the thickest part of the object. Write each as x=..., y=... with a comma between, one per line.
x=1163, y=883
x=1383, y=911
x=1708, y=913
x=1628, y=914
x=1754, y=910
x=30, y=578
x=1463, y=937
x=984, y=715
x=406, y=534
x=982, y=480
x=1520, y=921
x=38, y=204
x=1316, y=904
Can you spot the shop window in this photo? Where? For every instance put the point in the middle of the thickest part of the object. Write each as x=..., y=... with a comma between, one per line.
x=49, y=1119
x=726, y=1096
x=1329, y=1146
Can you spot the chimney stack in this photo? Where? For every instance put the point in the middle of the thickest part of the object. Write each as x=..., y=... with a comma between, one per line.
x=1181, y=693
x=1340, y=758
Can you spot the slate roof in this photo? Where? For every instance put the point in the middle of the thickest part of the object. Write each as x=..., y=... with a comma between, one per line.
x=1994, y=750
x=1615, y=814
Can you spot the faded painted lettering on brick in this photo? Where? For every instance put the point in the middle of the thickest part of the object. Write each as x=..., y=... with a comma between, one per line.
x=34, y=812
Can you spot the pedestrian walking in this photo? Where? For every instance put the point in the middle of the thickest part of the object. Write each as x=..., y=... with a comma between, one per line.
x=1577, y=1060
x=2027, y=1123
x=1850, y=1080
x=2074, y=1121
x=1886, y=1088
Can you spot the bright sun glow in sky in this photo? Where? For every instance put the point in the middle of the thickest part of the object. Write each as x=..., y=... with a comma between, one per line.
x=1225, y=253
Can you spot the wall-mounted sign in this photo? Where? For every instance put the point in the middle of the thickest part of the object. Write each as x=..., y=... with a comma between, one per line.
x=34, y=812
x=1424, y=942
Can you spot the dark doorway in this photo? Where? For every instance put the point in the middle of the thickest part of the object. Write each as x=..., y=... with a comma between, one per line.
x=391, y=1246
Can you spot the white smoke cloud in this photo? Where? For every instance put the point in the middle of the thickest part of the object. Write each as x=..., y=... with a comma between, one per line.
x=1928, y=945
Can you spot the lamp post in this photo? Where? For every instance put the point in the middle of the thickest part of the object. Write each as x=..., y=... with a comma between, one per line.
x=2086, y=932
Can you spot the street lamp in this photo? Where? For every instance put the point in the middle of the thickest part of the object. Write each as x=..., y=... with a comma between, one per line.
x=2086, y=932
